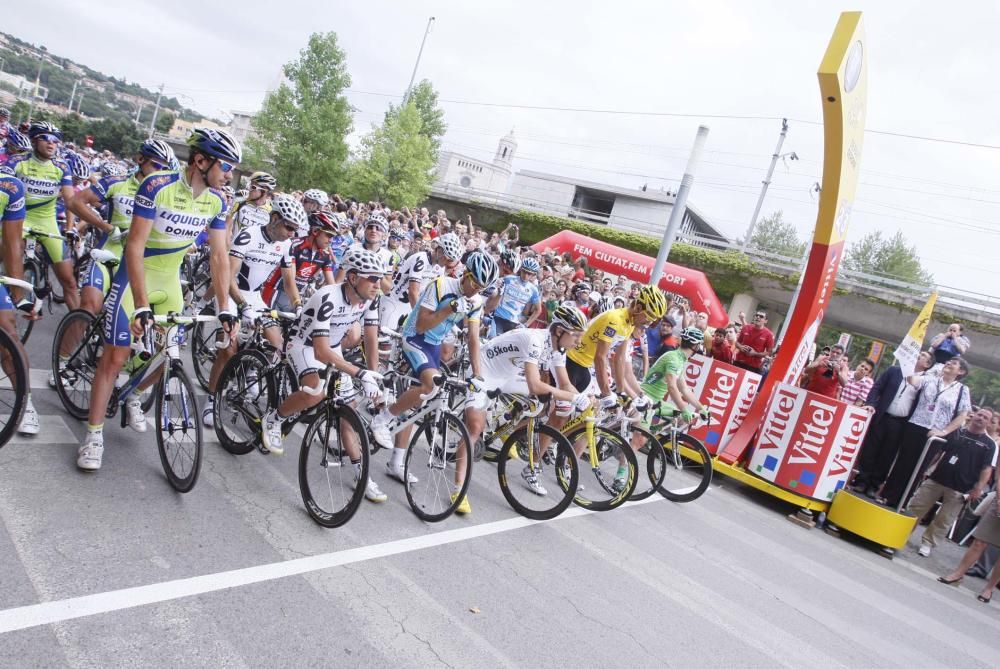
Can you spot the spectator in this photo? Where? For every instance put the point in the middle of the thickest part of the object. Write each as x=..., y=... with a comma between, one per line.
x=856, y=390
x=949, y=344
x=660, y=339
x=890, y=402
x=580, y=273
x=941, y=407
x=985, y=538
x=754, y=343
x=827, y=373
x=724, y=348
x=962, y=467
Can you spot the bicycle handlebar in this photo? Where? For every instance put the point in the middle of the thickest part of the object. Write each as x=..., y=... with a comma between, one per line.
x=17, y=283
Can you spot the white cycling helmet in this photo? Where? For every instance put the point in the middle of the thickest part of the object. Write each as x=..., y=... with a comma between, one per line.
x=363, y=261
x=291, y=210
x=317, y=196
x=450, y=245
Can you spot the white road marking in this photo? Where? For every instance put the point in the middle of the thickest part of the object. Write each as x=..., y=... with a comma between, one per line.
x=54, y=431
x=47, y=613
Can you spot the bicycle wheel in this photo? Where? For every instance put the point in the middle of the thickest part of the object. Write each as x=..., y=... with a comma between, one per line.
x=13, y=386
x=331, y=489
x=242, y=398
x=437, y=456
x=178, y=428
x=601, y=487
x=556, y=473
x=203, y=349
x=649, y=462
x=687, y=468
x=76, y=348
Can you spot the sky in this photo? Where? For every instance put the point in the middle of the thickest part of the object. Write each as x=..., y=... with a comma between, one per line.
x=929, y=76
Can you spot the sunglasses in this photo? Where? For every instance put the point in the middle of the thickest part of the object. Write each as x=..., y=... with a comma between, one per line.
x=291, y=228
x=475, y=283
x=374, y=226
x=760, y=316
x=224, y=166
x=370, y=278
x=48, y=138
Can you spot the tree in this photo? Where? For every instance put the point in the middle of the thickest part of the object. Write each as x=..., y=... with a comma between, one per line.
x=892, y=257
x=425, y=98
x=301, y=131
x=775, y=235
x=165, y=121
x=395, y=161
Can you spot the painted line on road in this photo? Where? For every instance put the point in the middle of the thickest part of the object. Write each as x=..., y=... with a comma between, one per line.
x=47, y=613
x=54, y=431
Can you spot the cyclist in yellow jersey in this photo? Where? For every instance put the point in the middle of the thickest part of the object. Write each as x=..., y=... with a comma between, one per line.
x=171, y=210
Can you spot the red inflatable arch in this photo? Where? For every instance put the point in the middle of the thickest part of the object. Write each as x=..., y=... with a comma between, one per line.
x=690, y=283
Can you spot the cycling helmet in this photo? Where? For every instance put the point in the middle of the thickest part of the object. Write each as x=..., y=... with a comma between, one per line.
x=322, y=221
x=530, y=265
x=216, y=143
x=602, y=305
x=692, y=336
x=228, y=191
x=651, y=299
x=42, y=128
x=242, y=194
x=81, y=170
x=263, y=181
x=4, y=112
x=18, y=142
x=291, y=210
x=584, y=286
x=363, y=261
x=482, y=267
x=450, y=245
x=570, y=318
x=113, y=168
x=159, y=151
x=317, y=196
x=376, y=218
x=511, y=259
x=340, y=218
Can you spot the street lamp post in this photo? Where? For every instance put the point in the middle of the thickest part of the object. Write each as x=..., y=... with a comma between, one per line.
x=34, y=93
x=767, y=180
x=417, y=64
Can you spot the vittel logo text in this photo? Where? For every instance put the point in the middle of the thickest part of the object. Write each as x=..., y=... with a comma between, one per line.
x=814, y=434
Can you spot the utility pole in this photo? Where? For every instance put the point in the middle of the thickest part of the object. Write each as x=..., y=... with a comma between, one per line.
x=72, y=95
x=79, y=102
x=34, y=92
x=156, y=111
x=420, y=53
x=1, y=65
x=766, y=182
x=680, y=205
x=138, y=111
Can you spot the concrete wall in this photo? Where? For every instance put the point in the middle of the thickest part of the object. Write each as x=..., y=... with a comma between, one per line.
x=644, y=216
x=542, y=194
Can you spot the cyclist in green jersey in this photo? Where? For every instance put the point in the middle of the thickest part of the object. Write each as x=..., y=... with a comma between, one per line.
x=47, y=178
x=664, y=387
x=171, y=210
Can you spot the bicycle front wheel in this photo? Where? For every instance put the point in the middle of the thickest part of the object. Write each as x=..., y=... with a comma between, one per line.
x=649, y=462
x=242, y=398
x=203, y=349
x=178, y=428
x=438, y=466
x=687, y=468
x=13, y=386
x=608, y=469
x=331, y=485
x=538, y=485
x=76, y=348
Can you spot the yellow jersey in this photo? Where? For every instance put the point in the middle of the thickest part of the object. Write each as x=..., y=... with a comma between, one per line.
x=614, y=327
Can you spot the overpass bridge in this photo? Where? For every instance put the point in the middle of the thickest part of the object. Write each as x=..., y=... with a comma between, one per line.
x=869, y=305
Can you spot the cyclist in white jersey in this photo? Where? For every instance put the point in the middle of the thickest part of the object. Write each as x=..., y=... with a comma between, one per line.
x=255, y=210
x=376, y=230
x=315, y=342
x=414, y=273
x=255, y=254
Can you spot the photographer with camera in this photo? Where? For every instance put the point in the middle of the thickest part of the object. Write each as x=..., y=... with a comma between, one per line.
x=947, y=345
x=828, y=372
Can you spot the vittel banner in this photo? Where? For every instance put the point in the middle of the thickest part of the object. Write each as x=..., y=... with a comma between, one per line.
x=727, y=391
x=808, y=443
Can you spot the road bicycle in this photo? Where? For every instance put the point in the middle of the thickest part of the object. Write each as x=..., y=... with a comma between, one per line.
x=687, y=464
x=13, y=373
x=645, y=445
x=608, y=463
x=39, y=272
x=156, y=356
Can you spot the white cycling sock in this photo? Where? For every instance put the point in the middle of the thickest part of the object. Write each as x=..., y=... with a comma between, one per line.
x=398, y=455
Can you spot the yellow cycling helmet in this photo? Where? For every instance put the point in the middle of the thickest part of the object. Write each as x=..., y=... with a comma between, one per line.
x=652, y=302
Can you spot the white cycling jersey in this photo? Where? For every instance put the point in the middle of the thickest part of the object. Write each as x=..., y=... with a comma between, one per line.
x=416, y=268
x=329, y=314
x=504, y=356
x=260, y=255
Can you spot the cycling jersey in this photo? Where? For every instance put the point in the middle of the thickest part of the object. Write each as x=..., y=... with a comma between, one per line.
x=416, y=268
x=259, y=256
x=247, y=215
x=516, y=294
x=441, y=291
x=329, y=314
x=310, y=262
x=671, y=363
x=12, y=208
x=178, y=217
x=338, y=246
x=504, y=359
x=43, y=182
x=612, y=326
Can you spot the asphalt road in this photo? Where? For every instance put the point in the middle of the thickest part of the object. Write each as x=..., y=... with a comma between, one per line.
x=115, y=569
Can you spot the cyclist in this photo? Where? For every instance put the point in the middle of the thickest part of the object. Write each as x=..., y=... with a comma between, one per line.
x=171, y=209
x=46, y=179
x=376, y=229
x=444, y=303
x=258, y=251
x=16, y=144
x=254, y=210
x=314, y=199
x=341, y=241
x=311, y=258
x=513, y=363
x=518, y=294
x=413, y=274
x=510, y=265
x=12, y=213
x=581, y=297
x=664, y=387
x=118, y=196
x=314, y=343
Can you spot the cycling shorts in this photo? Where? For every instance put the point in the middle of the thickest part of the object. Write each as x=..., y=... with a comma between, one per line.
x=515, y=386
x=303, y=360
x=581, y=377
x=97, y=276
x=502, y=325
x=163, y=289
x=421, y=354
x=55, y=249
x=6, y=304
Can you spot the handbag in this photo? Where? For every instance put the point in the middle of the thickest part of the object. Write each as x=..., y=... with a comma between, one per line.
x=985, y=504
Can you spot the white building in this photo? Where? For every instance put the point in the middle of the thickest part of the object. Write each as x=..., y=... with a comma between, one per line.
x=459, y=172
x=240, y=125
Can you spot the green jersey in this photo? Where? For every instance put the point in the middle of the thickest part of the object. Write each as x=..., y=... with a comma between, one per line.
x=43, y=182
x=655, y=384
x=119, y=196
